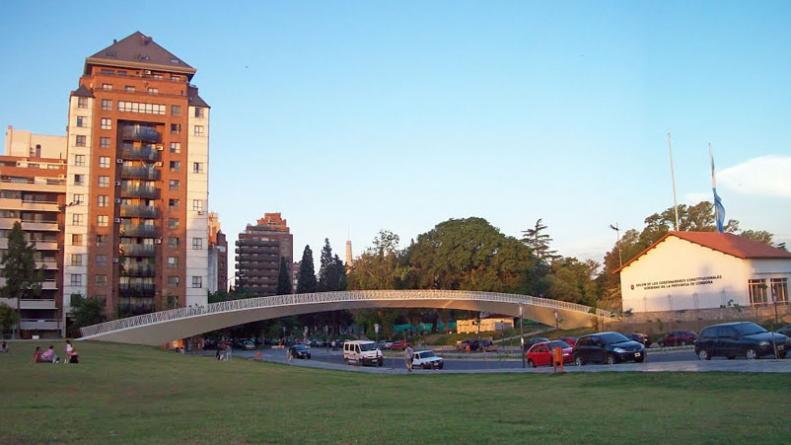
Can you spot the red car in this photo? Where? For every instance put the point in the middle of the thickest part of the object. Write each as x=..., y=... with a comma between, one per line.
x=398, y=345
x=540, y=354
x=572, y=341
x=678, y=338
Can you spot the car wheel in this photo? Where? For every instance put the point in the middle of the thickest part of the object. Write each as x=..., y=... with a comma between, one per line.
x=531, y=363
x=381, y=362
x=611, y=359
x=579, y=361
x=750, y=354
x=704, y=355
x=427, y=366
x=441, y=365
x=781, y=355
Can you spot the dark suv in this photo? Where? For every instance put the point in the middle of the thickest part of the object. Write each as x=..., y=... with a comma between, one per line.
x=607, y=347
x=739, y=339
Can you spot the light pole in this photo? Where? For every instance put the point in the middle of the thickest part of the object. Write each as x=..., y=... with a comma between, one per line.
x=522, y=334
x=376, y=329
x=618, y=243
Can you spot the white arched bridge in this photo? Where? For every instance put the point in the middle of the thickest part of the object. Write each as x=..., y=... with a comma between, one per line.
x=161, y=327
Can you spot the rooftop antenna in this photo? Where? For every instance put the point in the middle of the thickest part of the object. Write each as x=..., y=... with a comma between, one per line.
x=673, y=179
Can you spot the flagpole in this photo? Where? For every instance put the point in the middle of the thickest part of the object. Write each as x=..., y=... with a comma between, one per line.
x=672, y=178
x=719, y=210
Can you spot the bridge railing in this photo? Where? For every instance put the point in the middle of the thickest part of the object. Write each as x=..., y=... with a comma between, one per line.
x=334, y=297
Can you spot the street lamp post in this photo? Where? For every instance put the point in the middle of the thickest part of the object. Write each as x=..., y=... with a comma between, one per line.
x=522, y=334
x=618, y=242
x=376, y=329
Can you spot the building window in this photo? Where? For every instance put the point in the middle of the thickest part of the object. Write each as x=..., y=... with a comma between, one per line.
x=104, y=161
x=107, y=86
x=102, y=220
x=102, y=200
x=76, y=279
x=76, y=259
x=76, y=239
x=175, y=166
x=197, y=205
x=173, y=242
x=104, y=142
x=175, y=128
x=197, y=243
x=77, y=199
x=173, y=223
x=137, y=107
x=82, y=102
x=199, y=113
x=175, y=110
x=79, y=140
x=153, y=91
x=101, y=240
x=76, y=219
x=173, y=204
x=106, y=123
x=198, y=130
x=81, y=122
x=779, y=288
x=197, y=282
x=197, y=167
x=175, y=147
x=79, y=160
x=757, y=291
x=129, y=88
x=107, y=105
x=173, y=281
x=104, y=181
x=79, y=179
x=173, y=184
x=101, y=280
x=101, y=260
x=173, y=262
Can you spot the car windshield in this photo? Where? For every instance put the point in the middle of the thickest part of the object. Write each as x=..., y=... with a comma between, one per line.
x=749, y=329
x=559, y=344
x=613, y=337
x=300, y=347
x=427, y=354
x=367, y=346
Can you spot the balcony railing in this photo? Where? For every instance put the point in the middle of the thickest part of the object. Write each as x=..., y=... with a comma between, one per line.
x=139, y=192
x=136, y=290
x=140, y=133
x=139, y=211
x=141, y=154
x=137, y=250
x=140, y=172
x=138, y=230
x=137, y=271
x=39, y=324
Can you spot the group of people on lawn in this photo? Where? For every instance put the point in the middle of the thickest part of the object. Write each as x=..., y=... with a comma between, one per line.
x=49, y=356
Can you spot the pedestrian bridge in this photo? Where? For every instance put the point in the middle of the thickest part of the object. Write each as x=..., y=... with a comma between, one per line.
x=161, y=327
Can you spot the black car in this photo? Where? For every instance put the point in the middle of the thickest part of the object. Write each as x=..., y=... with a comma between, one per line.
x=299, y=351
x=607, y=347
x=785, y=330
x=640, y=338
x=744, y=339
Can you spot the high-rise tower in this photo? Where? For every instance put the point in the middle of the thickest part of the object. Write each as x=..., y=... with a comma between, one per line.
x=258, y=252
x=349, y=253
x=137, y=148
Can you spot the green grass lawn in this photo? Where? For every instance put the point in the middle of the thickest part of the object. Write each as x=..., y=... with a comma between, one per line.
x=129, y=394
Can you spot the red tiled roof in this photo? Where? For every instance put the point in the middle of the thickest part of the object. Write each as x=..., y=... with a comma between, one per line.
x=726, y=243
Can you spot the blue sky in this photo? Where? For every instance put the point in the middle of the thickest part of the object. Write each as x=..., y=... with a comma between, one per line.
x=349, y=117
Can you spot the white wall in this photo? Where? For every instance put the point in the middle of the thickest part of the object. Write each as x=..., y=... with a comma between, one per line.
x=197, y=263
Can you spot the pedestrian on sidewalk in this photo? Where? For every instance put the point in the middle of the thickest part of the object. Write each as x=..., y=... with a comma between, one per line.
x=410, y=354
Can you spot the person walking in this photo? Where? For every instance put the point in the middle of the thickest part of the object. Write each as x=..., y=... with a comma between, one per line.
x=410, y=354
x=69, y=352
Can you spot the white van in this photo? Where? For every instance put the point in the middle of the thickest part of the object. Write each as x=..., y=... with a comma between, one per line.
x=362, y=352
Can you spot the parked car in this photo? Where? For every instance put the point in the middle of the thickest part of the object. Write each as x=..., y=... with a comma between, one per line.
x=386, y=344
x=398, y=345
x=640, y=338
x=248, y=345
x=427, y=360
x=678, y=338
x=607, y=347
x=540, y=354
x=362, y=352
x=739, y=339
x=572, y=341
x=785, y=330
x=534, y=340
x=299, y=351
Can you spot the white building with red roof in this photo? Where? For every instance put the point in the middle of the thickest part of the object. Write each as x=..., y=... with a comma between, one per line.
x=704, y=270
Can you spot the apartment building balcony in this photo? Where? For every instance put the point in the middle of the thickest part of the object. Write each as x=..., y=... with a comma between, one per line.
x=137, y=270
x=139, y=211
x=141, y=154
x=42, y=245
x=137, y=250
x=28, y=205
x=148, y=173
x=30, y=225
x=138, y=230
x=140, y=133
x=47, y=264
x=132, y=309
x=49, y=285
x=136, y=290
x=27, y=324
x=139, y=192
x=37, y=185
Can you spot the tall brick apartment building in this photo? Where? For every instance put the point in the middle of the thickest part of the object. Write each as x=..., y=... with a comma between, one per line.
x=136, y=234
x=258, y=252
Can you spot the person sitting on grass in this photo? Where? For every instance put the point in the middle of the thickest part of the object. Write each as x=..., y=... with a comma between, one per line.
x=49, y=356
x=37, y=355
x=74, y=357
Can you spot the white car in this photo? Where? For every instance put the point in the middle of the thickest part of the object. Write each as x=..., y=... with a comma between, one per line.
x=362, y=352
x=427, y=360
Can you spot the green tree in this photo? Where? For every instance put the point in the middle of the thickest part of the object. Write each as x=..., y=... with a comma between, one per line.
x=22, y=279
x=539, y=242
x=759, y=235
x=306, y=278
x=379, y=267
x=8, y=318
x=85, y=312
x=283, y=278
x=332, y=272
x=574, y=281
